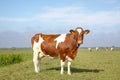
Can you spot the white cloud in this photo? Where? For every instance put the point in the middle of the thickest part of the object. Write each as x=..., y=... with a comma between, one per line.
x=76, y=15
x=73, y=15
x=109, y=18
x=14, y=19
x=58, y=13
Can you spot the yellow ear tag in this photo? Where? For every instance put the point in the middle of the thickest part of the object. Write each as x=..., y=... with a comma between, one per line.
x=72, y=32
x=86, y=32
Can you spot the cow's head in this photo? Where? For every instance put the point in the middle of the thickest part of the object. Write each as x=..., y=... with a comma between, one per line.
x=79, y=34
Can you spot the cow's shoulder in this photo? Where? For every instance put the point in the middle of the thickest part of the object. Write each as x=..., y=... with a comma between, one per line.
x=36, y=37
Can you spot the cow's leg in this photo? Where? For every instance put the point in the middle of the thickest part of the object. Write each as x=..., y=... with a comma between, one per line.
x=62, y=66
x=69, y=63
x=36, y=61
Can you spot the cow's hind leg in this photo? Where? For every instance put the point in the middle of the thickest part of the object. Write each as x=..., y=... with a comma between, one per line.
x=36, y=61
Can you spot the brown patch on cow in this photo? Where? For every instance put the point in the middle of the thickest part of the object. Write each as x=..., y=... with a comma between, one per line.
x=49, y=45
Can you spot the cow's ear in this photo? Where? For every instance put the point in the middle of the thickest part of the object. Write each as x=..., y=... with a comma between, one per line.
x=72, y=31
x=86, y=31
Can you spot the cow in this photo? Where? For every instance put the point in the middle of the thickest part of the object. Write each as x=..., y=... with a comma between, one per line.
x=64, y=46
x=97, y=48
x=111, y=48
x=106, y=48
x=90, y=49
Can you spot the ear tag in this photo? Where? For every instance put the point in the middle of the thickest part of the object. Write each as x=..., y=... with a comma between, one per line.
x=72, y=32
x=86, y=32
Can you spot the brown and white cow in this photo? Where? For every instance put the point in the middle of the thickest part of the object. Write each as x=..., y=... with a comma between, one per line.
x=64, y=46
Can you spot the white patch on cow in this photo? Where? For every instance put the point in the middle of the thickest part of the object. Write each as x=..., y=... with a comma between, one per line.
x=37, y=45
x=60, y=39
x=79, y=30
x=37, y=53
x=68, y=58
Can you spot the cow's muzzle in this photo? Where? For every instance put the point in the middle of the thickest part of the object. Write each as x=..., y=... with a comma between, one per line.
x=80, y=42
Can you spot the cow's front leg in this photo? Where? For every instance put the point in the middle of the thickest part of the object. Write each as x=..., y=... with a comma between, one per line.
x=36, y=62
x=62, y=66
x=69, y=63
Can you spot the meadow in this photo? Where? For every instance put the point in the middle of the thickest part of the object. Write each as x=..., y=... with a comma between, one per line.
x=95, y=65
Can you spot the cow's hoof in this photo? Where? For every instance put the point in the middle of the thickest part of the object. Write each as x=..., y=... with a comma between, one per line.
x=69, y=73
x=37, y=71
x=61, y=73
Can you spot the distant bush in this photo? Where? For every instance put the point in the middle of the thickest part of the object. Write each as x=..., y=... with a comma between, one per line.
x=7, y=59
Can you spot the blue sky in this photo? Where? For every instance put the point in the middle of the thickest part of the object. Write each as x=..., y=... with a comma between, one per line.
x=20, y=20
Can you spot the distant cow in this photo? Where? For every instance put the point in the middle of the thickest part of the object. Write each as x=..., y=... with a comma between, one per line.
x=90, y=49
x=111, y=48
x=97, y=48
x=64, y=46
x=106, y=49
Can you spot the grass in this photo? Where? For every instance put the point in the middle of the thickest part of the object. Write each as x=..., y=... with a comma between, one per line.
x=95, y=65
x=8, y=59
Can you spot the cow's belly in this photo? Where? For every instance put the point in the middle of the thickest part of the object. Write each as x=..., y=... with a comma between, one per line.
x=50, y=50
x=51, y=53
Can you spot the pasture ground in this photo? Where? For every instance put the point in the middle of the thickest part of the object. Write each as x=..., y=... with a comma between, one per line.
x=95, y=65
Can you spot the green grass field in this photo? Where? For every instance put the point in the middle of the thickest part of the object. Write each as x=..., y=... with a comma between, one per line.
x=95, y=65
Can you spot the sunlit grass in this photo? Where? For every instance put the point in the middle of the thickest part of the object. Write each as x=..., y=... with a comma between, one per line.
x=95, y=65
